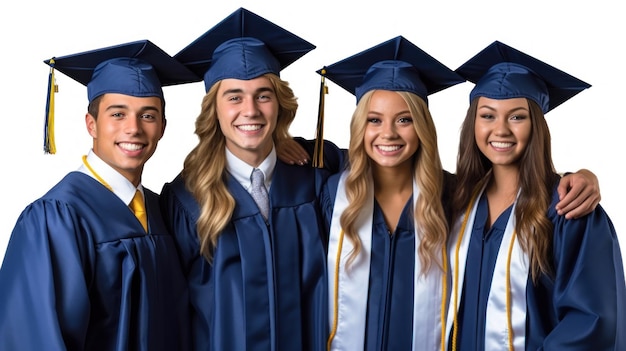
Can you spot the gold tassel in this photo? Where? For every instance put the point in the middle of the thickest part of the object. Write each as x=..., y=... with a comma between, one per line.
x=48, y=144
x=318, y=153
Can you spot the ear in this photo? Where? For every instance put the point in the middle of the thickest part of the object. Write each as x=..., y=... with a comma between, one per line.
x=90, y=123
x=163, y=128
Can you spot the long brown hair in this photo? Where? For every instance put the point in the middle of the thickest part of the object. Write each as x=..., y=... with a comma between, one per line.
x=204, y=168
x=536, y=180
x=427, y=172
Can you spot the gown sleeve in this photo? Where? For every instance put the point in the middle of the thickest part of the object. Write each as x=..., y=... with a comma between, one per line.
x=334, y=157
x=180, y=213
x=44, y=301
x=585, y=299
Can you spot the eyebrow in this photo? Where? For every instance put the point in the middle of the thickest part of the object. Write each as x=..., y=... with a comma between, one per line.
x=513, y=110
x=240, y=91
x=402, y=113
x=142, y=109
x=125, y=107
x=111, y=107
x=150, y=108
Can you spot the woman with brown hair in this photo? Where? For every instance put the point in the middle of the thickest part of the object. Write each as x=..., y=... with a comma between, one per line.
x=525, y=278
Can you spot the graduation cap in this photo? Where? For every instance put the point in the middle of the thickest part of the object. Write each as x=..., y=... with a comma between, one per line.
x=502, y=72
x=395, y=65
x=137, y=68
x=242, y=46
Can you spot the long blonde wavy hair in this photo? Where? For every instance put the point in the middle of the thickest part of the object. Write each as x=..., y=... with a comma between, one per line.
x=428, y=174
x=204, y=169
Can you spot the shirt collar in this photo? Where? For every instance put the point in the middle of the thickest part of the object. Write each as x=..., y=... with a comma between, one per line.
x=241, y=171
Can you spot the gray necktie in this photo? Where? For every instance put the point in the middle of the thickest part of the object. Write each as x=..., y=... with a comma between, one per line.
x=259, y=193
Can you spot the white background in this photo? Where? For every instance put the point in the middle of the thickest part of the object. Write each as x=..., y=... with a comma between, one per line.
x=585, y=39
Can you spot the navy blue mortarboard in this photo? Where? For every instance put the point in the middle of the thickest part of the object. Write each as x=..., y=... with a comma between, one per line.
x=502, y=72
x=242, y=46
x=137, y=68
x=396, y=65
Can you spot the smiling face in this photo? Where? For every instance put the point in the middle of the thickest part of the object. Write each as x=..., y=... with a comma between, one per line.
x=247, y=111
x=126, y=132
x=390, y=138
x=502, y=129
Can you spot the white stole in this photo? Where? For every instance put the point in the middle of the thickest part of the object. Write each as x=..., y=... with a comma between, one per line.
x=354, y=284
x=496, y=329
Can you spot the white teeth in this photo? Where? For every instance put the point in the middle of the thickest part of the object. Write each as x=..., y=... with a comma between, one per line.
x=389, y=148
x=131, y=146
x=249, y=127
x=501, y=145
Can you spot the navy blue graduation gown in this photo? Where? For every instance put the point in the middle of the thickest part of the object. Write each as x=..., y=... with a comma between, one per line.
x=581, y=308
x=80, y=273
x=390, y=300
x=389, y=324
x=265, y=288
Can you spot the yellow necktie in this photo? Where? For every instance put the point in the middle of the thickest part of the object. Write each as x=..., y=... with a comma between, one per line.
x=139, y=209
